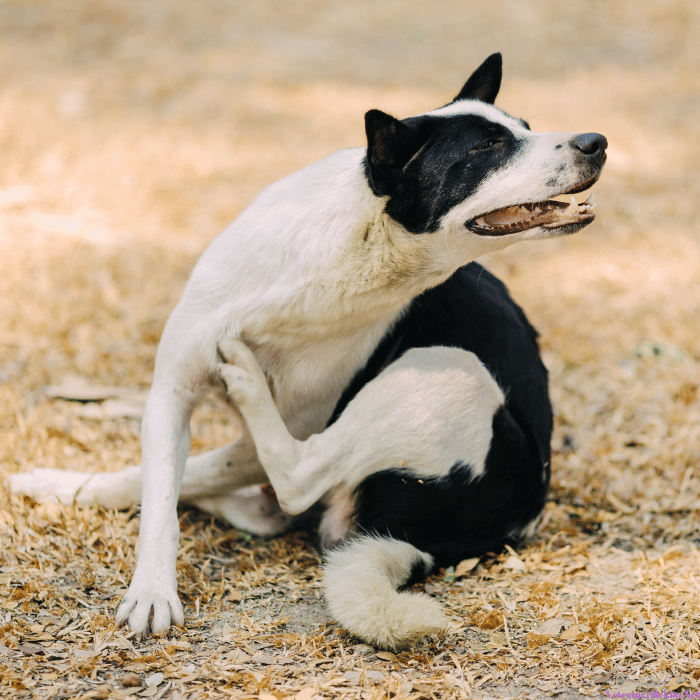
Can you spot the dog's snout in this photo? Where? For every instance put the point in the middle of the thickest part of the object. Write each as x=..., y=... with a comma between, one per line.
x=590, y=144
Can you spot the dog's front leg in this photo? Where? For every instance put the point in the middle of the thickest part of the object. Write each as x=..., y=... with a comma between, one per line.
x=182, y=375
x=152, y=600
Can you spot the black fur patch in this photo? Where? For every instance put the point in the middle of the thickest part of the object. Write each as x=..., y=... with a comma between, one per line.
x=473, y=310
x=452, y=157
x=418, y=572
x=455, y=517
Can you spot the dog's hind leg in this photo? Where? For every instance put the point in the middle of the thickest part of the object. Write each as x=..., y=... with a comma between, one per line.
x=120, y=489
x=429, y=410
x=209, y=474
x=224, y=482
x=277, y=450
x=227, y=483
x=432, y=407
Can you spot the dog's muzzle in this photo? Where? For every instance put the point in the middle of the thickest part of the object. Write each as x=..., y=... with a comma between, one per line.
x=552, y=215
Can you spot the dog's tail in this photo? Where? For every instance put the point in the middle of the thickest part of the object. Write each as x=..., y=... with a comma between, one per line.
x=361, y=579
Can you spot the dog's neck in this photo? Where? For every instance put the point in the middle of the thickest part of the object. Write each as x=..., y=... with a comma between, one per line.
x=335, y=262
x=375, y=272
x=380, y=266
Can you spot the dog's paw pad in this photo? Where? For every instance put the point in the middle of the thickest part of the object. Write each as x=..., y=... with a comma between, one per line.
x=234, y=376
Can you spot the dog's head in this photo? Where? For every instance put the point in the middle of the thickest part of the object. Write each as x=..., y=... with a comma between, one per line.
x=471, y=169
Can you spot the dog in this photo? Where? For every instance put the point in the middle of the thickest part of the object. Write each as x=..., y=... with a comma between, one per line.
x=377, y=368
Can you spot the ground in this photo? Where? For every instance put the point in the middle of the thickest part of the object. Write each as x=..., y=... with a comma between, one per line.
x=131, y=133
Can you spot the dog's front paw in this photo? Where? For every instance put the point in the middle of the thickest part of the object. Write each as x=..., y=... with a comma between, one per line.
x=149, y=608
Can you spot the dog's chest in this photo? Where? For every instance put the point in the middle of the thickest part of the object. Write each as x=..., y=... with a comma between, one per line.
x=307, y=379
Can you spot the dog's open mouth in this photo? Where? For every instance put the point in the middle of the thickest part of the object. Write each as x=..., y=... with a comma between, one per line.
x=551, y=214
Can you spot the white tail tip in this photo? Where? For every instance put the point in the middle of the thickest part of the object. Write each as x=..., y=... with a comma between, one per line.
x=360, y=581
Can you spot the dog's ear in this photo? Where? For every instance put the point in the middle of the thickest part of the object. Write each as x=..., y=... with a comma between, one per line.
x=390, y=145
x=485, y=81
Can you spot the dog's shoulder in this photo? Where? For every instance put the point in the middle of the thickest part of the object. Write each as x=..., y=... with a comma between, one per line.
x=299, y=220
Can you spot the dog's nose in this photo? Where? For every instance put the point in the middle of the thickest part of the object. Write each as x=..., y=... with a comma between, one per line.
x=590, y=144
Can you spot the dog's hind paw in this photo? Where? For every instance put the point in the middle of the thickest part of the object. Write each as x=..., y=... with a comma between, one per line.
x=240, y=386
x=234, y=351
x=240, y=370
x=52, y=485
x=252, y=509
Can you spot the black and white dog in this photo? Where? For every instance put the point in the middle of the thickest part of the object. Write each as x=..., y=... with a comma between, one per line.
x=376, y=367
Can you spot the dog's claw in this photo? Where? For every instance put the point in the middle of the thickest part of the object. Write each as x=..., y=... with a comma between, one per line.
x=151, y=617
x=234, y=351
x=240, y=370
x=148, y=610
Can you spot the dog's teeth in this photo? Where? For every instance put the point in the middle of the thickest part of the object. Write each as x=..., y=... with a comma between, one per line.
x=591, y=199
x=574, y=203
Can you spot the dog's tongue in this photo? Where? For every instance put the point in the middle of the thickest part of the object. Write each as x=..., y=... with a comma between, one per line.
x=529, y=215
x=509, y=215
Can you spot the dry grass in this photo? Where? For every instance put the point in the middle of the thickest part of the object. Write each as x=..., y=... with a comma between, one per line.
x=130, y=134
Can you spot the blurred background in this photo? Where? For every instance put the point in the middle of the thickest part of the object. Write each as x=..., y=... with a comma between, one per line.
x=132, y=133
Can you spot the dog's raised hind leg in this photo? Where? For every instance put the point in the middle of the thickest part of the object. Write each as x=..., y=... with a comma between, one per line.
x=298, y=471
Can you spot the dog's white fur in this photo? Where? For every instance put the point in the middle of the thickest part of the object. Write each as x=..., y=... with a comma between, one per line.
x=360, y=582
x=311, y=276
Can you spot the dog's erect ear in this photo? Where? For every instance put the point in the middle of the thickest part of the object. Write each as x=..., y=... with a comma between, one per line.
x=390, y=145
x=485, y=81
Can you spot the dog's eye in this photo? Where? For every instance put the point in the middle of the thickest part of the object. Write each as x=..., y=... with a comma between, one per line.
x=484, y=144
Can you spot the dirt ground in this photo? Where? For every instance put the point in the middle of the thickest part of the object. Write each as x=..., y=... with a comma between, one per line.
x=131, y=133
